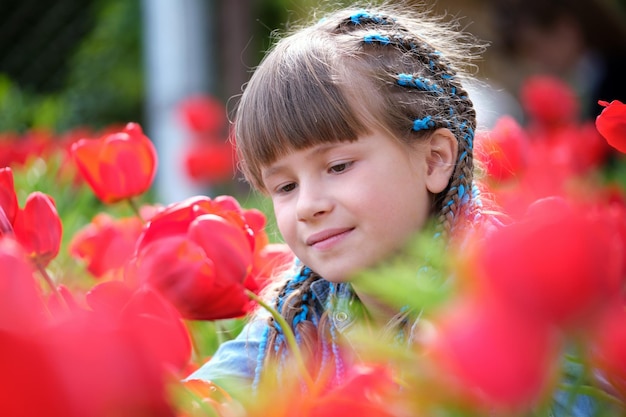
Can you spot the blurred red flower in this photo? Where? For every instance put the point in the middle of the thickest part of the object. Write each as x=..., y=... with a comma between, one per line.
x=8, y=198
x=22, y=304
x=77, y=362
x=202, y=245
x=558, y=263
x=269, y=258
x=368, y=390
x=28, y=373
x=210, y=157
x=118, y=165
x=491, y=356
x=548, y=101
x=106, y=244
x=212, y=161
x=17, y=149
x=609, y=346
x=149, y=317
x=504, y=149
x=38, y=228
x=611, y=124
x=203, y=114
x=104, y=368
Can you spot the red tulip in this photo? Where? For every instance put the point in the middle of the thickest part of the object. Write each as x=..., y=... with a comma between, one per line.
x=84, y=364
x=589, y=147
x=176, y=218
x=16, y=150
x=549, y=101
x=119, y=165
x=154, y=322
x=203, y=114
x=269, y=258
x=611, y=124
x=106, y=244
x=559, y=263
x=38, y=228
x=206, y=274
x=212, y=162
x=8, y=199
x=105, y=369
x=21, y=302
x=492, y=355
x=21, y=357
x=225, y=243
x=180, y=270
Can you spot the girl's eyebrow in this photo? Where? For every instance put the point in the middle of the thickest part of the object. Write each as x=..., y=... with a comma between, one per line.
x=277, y=167
x=270, y=171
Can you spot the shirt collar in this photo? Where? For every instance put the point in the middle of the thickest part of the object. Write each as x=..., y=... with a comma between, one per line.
x=341, y=315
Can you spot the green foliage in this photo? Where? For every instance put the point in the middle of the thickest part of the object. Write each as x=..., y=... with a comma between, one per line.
x=420, y=273
x=615, y=171
x=15, y=106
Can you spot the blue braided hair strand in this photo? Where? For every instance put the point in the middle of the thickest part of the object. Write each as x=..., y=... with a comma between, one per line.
x=294, y=302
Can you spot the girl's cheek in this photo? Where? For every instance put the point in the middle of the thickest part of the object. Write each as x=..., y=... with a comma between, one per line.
x=284, y=218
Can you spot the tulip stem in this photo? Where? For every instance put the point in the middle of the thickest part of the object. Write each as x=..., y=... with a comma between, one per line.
x=219, y=331
x=53, y=287
x=135, y=208
x=289, y=336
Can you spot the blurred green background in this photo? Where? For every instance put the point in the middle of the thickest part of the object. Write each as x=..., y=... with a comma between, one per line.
x=68, y=63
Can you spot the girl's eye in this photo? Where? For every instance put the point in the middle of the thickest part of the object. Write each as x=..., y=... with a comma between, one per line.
x=340, y=167
x=287, y=187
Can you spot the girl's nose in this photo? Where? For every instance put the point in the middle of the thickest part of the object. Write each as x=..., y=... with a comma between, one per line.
x=313, y=202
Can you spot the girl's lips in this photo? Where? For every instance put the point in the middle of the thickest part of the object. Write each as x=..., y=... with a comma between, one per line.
x=326, y=236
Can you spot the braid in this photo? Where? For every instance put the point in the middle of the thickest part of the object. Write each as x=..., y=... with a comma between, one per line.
x=295, y=302
x=442, y=101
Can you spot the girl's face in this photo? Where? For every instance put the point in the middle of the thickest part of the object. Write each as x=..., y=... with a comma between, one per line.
x=343, y=207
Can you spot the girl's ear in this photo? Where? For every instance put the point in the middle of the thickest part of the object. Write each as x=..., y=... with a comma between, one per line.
x=441, y=154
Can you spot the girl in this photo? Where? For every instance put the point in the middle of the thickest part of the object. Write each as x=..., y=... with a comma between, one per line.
x=360, y=131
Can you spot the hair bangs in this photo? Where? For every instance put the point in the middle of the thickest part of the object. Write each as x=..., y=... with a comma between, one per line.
x=294, y=101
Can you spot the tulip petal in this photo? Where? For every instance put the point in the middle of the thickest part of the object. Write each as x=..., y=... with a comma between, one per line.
x=38, y=228
x=611, y=124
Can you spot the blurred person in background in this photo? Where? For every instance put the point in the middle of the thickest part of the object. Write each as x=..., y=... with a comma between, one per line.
x=580, y=42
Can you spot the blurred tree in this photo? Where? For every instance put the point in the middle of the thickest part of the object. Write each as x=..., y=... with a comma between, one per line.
x=70, y=62
x=38, y=37
x=105, y=80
